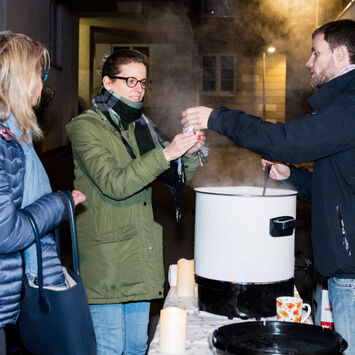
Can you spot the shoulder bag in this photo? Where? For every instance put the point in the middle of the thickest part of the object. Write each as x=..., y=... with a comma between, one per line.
x=57, y=320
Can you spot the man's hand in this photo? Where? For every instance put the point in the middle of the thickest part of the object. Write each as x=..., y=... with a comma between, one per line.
x=278, y=171
x=196, y=116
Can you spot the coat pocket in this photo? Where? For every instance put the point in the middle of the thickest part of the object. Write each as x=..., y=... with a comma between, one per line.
x=118, y=234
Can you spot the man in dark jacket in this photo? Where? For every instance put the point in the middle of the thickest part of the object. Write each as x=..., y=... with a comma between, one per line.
x=326, y=137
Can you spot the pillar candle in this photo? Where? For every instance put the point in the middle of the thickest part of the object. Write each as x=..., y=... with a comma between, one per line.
x=172, y=330
x=185, y=286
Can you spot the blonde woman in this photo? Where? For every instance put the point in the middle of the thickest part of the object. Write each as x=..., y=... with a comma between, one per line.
x=24, y=183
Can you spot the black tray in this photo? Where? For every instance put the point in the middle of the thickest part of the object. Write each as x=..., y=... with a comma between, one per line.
x=268, y=337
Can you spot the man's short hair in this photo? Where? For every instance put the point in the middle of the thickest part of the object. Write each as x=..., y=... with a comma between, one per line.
x=337, y=33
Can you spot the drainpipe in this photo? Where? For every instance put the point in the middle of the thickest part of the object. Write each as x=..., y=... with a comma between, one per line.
x=263, y=83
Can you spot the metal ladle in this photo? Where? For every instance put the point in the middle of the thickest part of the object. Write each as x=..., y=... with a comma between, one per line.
x=266, y=176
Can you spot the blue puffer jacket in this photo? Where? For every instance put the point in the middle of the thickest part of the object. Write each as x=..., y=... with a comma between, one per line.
x=15, y=230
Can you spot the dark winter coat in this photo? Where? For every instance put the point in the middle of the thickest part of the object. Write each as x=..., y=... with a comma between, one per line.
x=15, y=230
x=326, y=137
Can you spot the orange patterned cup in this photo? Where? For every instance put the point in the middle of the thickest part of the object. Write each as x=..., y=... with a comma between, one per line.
x=290, y=309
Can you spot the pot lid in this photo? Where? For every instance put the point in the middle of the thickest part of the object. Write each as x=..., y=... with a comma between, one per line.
x=245, y=191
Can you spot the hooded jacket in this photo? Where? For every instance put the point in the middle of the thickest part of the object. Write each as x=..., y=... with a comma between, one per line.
x=326, y=137
x=16, y=232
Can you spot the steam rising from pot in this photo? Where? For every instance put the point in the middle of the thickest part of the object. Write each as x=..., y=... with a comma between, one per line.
x=178, y=36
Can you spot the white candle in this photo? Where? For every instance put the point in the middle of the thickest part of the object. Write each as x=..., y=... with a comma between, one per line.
x=185, y=286
x=172, y=330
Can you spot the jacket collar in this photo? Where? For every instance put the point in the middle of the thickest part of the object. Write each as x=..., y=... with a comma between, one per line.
x=329, y=91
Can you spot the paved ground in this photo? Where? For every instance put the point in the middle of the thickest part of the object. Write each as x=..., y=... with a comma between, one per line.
x=226, y=166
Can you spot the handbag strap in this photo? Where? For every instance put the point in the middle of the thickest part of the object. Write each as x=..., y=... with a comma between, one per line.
x=44, y=304
x=74, y=239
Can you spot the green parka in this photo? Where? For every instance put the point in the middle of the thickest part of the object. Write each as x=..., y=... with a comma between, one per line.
x=120, y=244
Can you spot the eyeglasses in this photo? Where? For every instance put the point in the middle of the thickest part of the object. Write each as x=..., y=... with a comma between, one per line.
x=44, y=74
x=132, y=82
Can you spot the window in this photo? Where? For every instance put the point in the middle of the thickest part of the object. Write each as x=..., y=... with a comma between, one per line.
x=209, y=73
x=218, y=74
x=227, y=73
x=217, y=8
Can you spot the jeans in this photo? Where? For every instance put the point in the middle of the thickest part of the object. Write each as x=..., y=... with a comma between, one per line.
x=342, y=298
x=121, y=328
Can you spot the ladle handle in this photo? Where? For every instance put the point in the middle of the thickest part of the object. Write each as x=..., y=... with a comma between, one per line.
x=266, y=176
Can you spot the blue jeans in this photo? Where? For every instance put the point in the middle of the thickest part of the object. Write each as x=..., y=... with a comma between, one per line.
x=121, y=328
x=342, y=298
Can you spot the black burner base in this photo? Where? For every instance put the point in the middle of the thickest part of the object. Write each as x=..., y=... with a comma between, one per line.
x=243, y=300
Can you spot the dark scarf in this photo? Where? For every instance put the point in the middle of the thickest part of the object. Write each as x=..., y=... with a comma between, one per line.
x=121, y=112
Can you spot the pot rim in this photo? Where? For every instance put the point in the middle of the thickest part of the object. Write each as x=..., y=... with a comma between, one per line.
x=336, y=343
x=204, y=190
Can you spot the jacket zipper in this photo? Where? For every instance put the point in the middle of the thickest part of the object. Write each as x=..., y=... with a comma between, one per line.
x=342, y=229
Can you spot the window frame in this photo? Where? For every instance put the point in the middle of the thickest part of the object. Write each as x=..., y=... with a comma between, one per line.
x=218, y=79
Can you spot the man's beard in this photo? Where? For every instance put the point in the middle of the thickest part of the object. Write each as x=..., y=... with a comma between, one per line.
x=323, y=77
x=318, y=81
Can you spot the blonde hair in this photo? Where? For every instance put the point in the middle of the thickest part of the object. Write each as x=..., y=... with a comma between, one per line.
x=21, y=62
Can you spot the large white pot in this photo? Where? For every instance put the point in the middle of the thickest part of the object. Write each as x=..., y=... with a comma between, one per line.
x=232, y=234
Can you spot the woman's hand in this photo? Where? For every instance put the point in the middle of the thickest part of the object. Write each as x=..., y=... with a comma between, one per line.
x=78, y=197
x=278, y=170
x=196, y=116
x=180, y=145
x=201, y=142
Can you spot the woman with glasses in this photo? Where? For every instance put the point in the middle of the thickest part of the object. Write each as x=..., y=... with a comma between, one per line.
x=24, y=184
x=118, y=153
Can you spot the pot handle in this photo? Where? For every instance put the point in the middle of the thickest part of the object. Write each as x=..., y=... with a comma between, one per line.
x=283, y=226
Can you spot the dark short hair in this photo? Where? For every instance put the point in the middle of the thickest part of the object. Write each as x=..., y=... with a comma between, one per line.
x=112, y=65
x=337, y=33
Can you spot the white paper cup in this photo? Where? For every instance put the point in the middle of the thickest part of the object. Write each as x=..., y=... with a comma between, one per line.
x=172, y=275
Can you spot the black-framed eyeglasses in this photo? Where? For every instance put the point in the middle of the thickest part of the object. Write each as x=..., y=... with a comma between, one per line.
x=132, y=81
x=44, y=74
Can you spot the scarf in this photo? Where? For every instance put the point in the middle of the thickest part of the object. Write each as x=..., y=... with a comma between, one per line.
x=121, y=112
